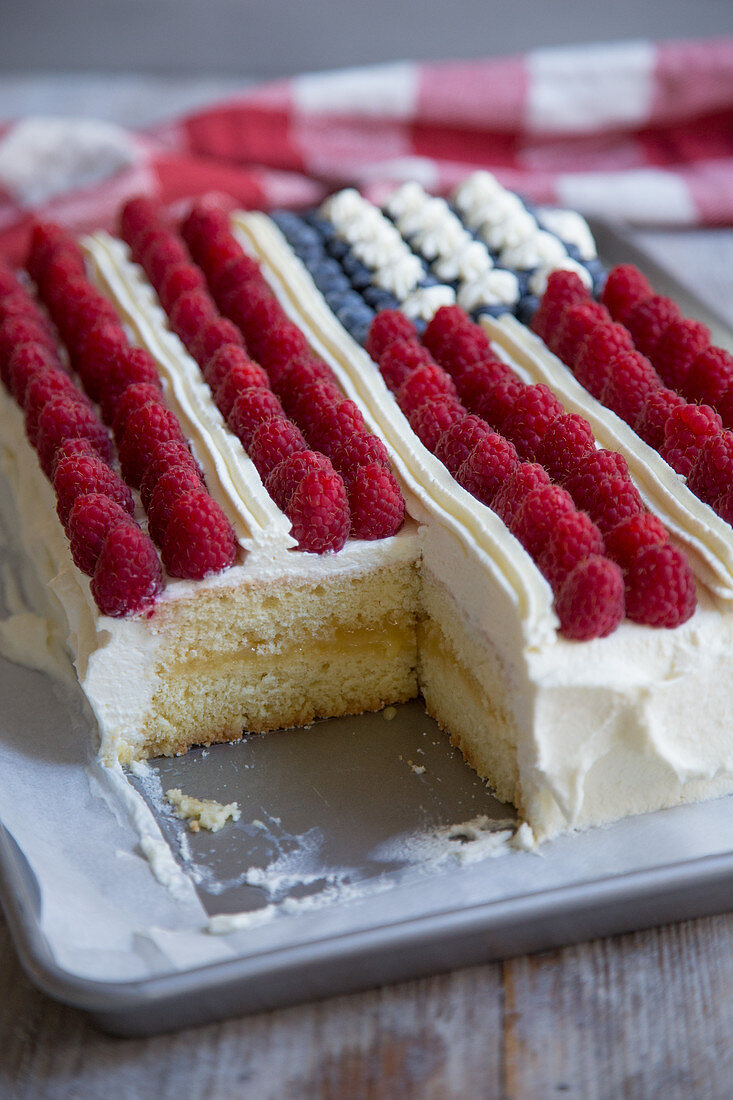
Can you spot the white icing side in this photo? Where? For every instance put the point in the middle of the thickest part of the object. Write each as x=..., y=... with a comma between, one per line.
x=571, y=227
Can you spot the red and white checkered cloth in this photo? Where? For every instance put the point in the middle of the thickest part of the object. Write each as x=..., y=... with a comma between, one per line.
x=633, y=130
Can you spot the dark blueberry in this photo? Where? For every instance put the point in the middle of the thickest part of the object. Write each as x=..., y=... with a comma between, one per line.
x=420, y=325
x=493, y=311
x=355, y=312
x=598, y=274
x=323, y=227
x=378, y=298
x=328, y=277
x=339, y=299
x=337, y=247
x=311, y=254
x=360, y=333
x=287, y=222
x=572, y=250
x=528, y=305
x=429, y=280
x=359, y=274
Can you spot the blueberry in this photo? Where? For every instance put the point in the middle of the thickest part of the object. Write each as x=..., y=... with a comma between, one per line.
x=528, y=305
x=360, y=333
x=379, y=299
x=572, y=250
x=323, y=227
x=598, y=273
x=337, y=299
x=337, y=248
x=493, y=311
x=429, y=280
x=287, y=222
x=358, y=273
x=328, y=277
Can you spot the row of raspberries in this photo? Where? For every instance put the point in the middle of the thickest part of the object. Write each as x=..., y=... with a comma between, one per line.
x=637, y=355
x=310, y=445
x=93, y=503
x=511, y=445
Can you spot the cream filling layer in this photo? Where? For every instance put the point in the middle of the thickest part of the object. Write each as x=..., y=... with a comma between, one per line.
x=706, y=538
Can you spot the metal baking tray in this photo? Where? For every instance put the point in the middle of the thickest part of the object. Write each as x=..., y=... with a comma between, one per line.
x=377, y=816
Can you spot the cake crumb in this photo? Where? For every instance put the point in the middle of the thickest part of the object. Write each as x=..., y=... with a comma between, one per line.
x=389, y=713
x=202, y=813
x=419, y=769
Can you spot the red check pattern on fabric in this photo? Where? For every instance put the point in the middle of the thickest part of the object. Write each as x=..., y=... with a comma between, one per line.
x=637, y=130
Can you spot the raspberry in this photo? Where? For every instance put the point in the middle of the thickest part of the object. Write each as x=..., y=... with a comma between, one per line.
x=615, y=498
x=179, y=279
x=130, y=400
x=466, y=348
x=216, y=251
x=8, y=282
x=333, y=423
x=400, y=358
x=627, y=539
x=79, y=474
x=89, y=312
x=171, y=485
x=72, y=447
x=40, y=390
x=624, y=289
x=445, y=324
x=356, y=450
x=319, y=512
x=590, y=601
x=582, y=480
x=602, y=344
x=647, y=321
x=573, y=538
x=97, y=350
x=19, y=304
x=165, y=456
x=518, y=485
x=256, y=311
x=575, y=325
x=306, y=406
x=20, y=330
x=677, y=347
x=204, y=220
x=533, y=412
x=709, y=376
x=66, y=263
x=724, y=506
x=486, y=468
x=660, y=588
x=284, y=479
x=67, y=417
x=684, y=431
x=225, y=359
x=127, y=577
x=280, y=344
x=191, y=312
x=564, y=289
x=26, y=363
x=433, y=418
x=129, y=366
x=90, y=520
x=163, y=254
x=376, y=503
x=145, y=241
x=631, y=378
x=272, y=441
x=497, y=404
x=213, y=336
x=45, y=238
x=199, y=539
x=725, y=408
x=241, y=376
x=388, y=326
x=712, y=468
x=654, y=413
x=140, y=215
x=251, y=408
x=145, y=428
x=568, y=439
x=234, y=275
x=477, y=379
x=457, y=441
x=424, y=384
x=537, y=514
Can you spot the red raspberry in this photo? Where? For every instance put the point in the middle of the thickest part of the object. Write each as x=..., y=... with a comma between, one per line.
x=26, y=363
x=457, y=441
x=127, y=577
x=19, y=304
x=16, y=331
x=306, y=406
x=497, y=404
x=356, y=450
x=537, y=514
x=388, y=326
x=130, y=400
x=443, y=327
x=677, y=347
x=709, y=376
x=582, y=480
x=233, y=275
x=171, y=485
x=424, y=384
x=660, y=588
x=65, y=264
x=564, y=289
x=90, y=520
x=624, y=289
x=45, y=238
x=602, y=344
x=654, y=413
x=281, y=344
x=72, y=448
x=213, y=336
x=291, y=379
x=256, y=311
x=686, y=428
x=192, y=312
x=566, y=442
x=575, y=325
x=272, y=441
x=487, y=467
x=534, y=410
x=631, y=378
x=627, y=539
x=433, y=418
x=8, y=282
x=647, y=321
x=400, y=358
x=98, y=350
x=724, y=506
x=590, y=601
x=77, y=475
x=319, y=512
x=376, y=503
x=179, y=279
x=130, y=366
x=204, y=220
x=464, y=350
x=146, y=427
x=67, y=417
x=215, y=252
x=712, y=470
x=41, y=389
x=88, y=314
x=241, y=376
x=199, y=539
x=477, y=379
x=616, y=498
x=146, y=240
x=225, y=359
x=518, y=485
x=285, y=478
x=140, y=215
x=252, y=406
x=725, y=408
x=332, y=424
x=171, y=453
x=163, y=254
x=573, y=538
